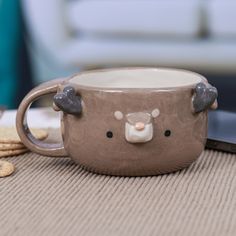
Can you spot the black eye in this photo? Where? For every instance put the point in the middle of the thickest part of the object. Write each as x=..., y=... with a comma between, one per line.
x=167, y=133
x=109, y=134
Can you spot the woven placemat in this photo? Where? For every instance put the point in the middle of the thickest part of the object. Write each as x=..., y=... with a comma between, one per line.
x=53, y=196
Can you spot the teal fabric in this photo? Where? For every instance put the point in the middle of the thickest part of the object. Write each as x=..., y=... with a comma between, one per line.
x=9, y=49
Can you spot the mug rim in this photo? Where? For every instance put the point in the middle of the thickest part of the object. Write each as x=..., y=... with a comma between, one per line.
x=104, y=88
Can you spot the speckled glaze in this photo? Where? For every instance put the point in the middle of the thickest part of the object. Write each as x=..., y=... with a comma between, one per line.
x=179, y=132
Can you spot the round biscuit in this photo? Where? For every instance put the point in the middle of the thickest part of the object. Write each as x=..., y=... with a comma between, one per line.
x=6, y=168
x=11, y=146
x=8, y=153
x=9, y=134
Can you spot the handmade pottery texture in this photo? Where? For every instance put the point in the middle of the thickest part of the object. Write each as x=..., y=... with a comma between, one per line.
x=126, y=131
x=86, y=141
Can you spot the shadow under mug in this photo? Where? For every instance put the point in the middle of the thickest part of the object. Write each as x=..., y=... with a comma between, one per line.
x=127, y=121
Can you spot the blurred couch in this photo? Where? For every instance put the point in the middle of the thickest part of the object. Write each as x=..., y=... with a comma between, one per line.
x=65, y=35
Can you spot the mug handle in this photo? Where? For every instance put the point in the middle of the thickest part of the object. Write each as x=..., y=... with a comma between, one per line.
x=35, y=145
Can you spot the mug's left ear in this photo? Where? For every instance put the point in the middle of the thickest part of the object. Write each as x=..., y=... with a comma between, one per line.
x=205, y=97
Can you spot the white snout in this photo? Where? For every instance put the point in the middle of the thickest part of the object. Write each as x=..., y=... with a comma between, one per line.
x=134, y=135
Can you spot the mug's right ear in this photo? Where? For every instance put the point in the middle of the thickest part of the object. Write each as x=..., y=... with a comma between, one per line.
x=68, y=101
x=205, y=97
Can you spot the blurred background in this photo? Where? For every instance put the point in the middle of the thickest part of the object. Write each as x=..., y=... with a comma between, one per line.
x=41, y=40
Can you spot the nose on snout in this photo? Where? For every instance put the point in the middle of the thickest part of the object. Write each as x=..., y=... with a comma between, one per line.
x=139, y=126
x=139, y=132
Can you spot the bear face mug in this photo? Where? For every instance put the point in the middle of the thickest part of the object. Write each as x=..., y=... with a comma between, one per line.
x=126, y=121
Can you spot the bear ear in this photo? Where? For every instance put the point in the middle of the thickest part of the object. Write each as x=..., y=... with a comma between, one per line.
x=118, y=115
x=155, y=113
x=68, y=101
x=205, y=97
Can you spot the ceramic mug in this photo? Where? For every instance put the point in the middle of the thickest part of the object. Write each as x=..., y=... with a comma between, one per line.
x=127, y=121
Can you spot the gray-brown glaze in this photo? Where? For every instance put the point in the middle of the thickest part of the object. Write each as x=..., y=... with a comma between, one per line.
x=86, y=141
x=173, y=136
x=204, y=97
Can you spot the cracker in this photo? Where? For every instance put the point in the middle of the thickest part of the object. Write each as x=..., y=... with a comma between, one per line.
x=9, y=134
x=11, y=146
x=8, y=153
x=6, y=168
